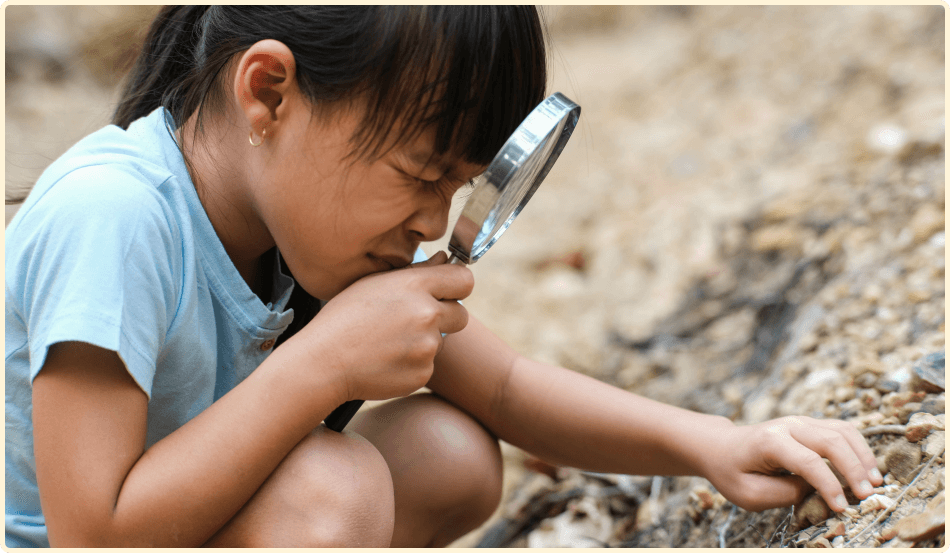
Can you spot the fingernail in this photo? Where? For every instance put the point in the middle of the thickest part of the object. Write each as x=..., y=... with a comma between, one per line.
x=841, y=501
x=875, y=474
x=865, y=487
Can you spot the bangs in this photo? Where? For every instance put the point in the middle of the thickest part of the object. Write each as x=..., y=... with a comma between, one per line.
x=471, y=74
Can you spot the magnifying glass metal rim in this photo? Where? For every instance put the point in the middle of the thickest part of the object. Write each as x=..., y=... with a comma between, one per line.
x=530, y=135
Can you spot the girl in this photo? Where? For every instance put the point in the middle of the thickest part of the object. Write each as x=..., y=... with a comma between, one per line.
x=267, y=163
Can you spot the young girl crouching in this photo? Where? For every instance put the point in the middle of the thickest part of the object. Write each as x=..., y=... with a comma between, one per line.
x=192, y=290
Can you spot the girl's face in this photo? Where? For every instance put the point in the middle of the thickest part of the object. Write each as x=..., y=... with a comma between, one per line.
x=337, y=219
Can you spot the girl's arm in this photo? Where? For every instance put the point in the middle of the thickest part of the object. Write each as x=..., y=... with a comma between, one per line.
x=98, y=489
x=571, y=419
x=374, y=340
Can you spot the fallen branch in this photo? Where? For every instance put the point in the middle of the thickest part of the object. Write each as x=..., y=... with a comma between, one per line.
x=725, y=527
x=884, y=429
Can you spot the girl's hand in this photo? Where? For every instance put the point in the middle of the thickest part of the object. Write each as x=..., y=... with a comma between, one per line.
x=380, y=335
x=750, y=464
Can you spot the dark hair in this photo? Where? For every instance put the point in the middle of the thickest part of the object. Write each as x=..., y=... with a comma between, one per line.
x=471, y=72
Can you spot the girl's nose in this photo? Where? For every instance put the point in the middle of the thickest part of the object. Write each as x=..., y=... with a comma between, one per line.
x=430, y=221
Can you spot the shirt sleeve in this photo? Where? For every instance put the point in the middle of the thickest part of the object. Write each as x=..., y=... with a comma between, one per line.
x=96, y=259
x=419, y=256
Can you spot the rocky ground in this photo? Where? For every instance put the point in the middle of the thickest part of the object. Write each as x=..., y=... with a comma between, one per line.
x=749, y=221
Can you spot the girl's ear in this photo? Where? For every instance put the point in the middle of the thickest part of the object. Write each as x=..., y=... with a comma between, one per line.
x=266, y=74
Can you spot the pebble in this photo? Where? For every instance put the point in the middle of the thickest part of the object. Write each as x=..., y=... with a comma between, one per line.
x=866, y=380
x=902, y=459
x=920, y=425
x=921, y=526
x=928, y=374
x=876, y=502
x=775, y=237
x=813, y=510
x=871, y=399
x=835, y=529
x=932, y=483
x=886, y=139
x=819, y=542
x=886, y=386
x=868, y=420
x=925, y=222
x=934, y=406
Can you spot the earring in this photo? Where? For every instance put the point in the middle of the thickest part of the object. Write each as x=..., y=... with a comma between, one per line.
x=250, y=137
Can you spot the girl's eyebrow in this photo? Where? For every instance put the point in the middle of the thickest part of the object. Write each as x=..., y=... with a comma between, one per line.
x=425, y=159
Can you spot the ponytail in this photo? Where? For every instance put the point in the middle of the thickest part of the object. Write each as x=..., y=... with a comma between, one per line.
x=164, y=66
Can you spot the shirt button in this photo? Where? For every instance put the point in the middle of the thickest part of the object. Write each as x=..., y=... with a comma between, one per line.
x=267, y=345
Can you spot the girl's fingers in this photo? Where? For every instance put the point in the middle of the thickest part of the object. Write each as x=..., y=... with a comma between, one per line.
x=455, y=317
x=776, y=491
x=831, y=445
x=858, y=444
x=809, y=464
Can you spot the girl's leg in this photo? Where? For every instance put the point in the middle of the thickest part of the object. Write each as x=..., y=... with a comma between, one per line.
x=332, y=490
x=446, y=468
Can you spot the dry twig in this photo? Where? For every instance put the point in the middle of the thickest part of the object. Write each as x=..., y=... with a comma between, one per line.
x=884, y=429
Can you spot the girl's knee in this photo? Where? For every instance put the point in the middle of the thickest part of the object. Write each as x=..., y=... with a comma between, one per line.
x=349, y=491
x=332, y=490
x=430, y=442
x=469, y=451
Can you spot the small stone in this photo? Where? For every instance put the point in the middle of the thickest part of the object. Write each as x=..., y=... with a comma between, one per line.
x=844, y=394
x=907, y=410
x=775, y=237
x=888, y=534
x=920, y=425
x=928, y=374
x=927, y=221
x=898, y=543
x=937, y=503
x=886, y=139
x=813, y=510
x=866, y=380
x=876, y=502
x=703, y=497
x=871, y=399
x=902, y=459
x=868, y=420
x=819, y=542
x=934, y=406
x=899, y=399
x=931, y=483
x=886, y=386
x=918, y=296
x=835, y=529
x=922, y=526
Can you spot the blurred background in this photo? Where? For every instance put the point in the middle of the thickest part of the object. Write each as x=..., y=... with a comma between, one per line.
x=725, y=157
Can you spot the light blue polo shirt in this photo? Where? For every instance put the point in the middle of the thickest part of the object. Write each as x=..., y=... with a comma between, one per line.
x=112, y=247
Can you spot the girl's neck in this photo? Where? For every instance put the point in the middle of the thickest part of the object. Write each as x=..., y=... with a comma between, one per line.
x=218, y=169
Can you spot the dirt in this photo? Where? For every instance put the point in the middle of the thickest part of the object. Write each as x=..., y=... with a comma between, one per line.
x=749, y=221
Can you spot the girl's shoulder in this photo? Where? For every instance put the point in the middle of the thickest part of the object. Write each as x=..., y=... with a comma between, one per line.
x=111, y=174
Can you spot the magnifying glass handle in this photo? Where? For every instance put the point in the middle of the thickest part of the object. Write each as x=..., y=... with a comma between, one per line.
x=340, y=417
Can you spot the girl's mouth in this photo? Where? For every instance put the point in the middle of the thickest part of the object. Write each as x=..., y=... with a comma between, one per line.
x=389, y=262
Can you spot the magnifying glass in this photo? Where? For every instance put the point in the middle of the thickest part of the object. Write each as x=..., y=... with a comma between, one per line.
x=500, y=193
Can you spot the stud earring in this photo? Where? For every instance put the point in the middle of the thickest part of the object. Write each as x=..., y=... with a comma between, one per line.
x=250, y=137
